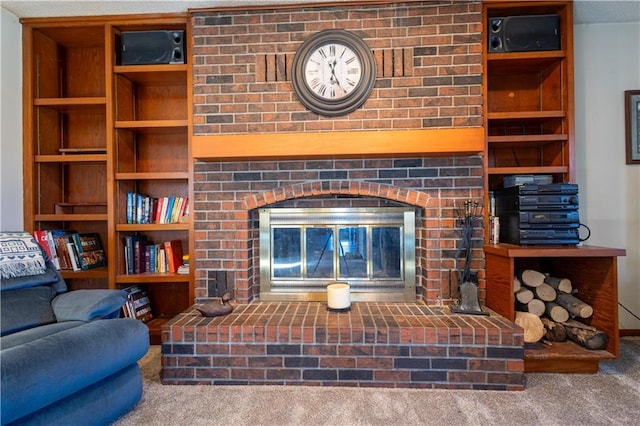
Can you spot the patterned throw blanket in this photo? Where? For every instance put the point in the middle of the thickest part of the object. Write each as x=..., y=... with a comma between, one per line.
x=20, y=255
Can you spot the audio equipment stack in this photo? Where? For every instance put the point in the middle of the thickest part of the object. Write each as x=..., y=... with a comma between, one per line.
x=533, y=214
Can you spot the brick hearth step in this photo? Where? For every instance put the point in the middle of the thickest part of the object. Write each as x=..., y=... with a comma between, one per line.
x=374, y=344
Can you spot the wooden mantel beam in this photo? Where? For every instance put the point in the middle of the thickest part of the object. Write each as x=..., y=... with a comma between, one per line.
x=457, y=141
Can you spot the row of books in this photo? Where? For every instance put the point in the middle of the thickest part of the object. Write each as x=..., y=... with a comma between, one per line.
x=138, y=304
x=141, y=255
x=71, y=250
x=143, y=209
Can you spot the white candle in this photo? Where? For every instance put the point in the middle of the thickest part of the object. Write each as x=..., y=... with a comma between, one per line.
x=338, y=296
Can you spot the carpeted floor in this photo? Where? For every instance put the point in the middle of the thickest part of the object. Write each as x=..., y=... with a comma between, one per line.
x=611, y=397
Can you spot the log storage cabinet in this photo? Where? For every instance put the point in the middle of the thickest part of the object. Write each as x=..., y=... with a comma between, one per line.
x=593, y=273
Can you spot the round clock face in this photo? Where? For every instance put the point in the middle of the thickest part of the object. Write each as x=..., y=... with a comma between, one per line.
x=333, y=72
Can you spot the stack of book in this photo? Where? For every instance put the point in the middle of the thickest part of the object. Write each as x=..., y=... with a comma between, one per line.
x=71, y=250
x=141, y=255
x=143, y=209
x=184, y=268
x=138, y=304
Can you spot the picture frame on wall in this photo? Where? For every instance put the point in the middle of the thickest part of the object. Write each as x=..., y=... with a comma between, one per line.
x=632, y=125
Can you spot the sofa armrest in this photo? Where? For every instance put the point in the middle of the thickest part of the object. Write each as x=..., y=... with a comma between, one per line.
x=88, y=305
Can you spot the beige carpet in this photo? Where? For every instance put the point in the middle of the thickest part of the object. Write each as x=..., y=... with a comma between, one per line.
x=611, y=397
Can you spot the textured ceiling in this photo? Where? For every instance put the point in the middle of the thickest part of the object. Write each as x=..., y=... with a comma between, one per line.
x=586, y=11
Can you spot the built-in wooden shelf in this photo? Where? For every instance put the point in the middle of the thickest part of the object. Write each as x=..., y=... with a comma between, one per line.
x=594, y=274
x=525, y=115
x=527, y=170
x=151, y=278
x=65, y=104
x=95, y=131
x=101, y=272
x=150, y=124
x=71, y=158
x=147, y=227
x=153, y=176
x=156, y=74
x=71, y=217
x=526, y=139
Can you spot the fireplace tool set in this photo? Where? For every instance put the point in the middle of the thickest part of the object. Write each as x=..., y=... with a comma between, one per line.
x=469, y=302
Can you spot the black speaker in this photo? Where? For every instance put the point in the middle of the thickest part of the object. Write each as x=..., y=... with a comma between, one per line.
x=152, y=47
x=524, y=33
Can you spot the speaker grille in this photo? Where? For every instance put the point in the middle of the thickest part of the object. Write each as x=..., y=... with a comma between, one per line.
x=524, y=33
x=152, y=47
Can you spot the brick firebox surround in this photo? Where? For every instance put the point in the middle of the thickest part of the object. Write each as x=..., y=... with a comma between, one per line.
x=429, y=78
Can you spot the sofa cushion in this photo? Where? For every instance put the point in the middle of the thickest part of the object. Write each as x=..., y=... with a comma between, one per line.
x=99, y=404
x=40, y=372
x=35, y=333
x=25, y=308
x=88, y=305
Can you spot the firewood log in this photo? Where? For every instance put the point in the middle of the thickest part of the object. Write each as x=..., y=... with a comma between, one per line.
x=586, y=336
x=575, y=306
x=556, y=312
x=577, y=324
x=535, y=307
x=517, y=285
x=562, y=285
x=531, y=278
x=532, y=326
x=524, y=295
x=554, y=332
x=545, y=292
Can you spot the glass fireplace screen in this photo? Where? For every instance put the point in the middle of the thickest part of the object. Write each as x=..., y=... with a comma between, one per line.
x=303, y=250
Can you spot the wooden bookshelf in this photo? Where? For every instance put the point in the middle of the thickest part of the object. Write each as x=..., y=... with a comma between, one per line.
x=95, y=129
x=529, y=106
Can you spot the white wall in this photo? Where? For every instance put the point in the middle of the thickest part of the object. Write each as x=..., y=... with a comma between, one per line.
x=10, y=122
x=607, y=62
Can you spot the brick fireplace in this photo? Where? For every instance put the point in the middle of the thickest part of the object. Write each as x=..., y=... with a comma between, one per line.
x=416, y=142
x=428, y=80
x=227, y=206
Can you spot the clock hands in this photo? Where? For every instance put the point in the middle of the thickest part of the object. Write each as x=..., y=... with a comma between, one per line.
x=334, y=78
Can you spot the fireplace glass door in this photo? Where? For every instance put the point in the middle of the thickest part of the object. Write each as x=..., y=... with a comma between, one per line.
x=303, y=250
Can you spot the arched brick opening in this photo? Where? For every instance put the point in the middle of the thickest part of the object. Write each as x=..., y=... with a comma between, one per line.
x=228, y=195
x=428, y=222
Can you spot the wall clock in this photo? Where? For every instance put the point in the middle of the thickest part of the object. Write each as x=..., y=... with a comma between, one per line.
x=333, y=72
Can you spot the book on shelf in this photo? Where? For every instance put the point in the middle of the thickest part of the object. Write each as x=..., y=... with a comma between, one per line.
x=90, y=250
x=43, y=238
x=61, y=239
x=138, y=304
x=174, y=252
x=142, y=256
x=184, y=214
x=70, y=250
x=143, y=209
x=73, y=254
x=184, y=268
x=132, y=245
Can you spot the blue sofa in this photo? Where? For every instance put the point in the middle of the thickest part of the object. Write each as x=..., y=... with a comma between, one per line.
x=66, y=358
